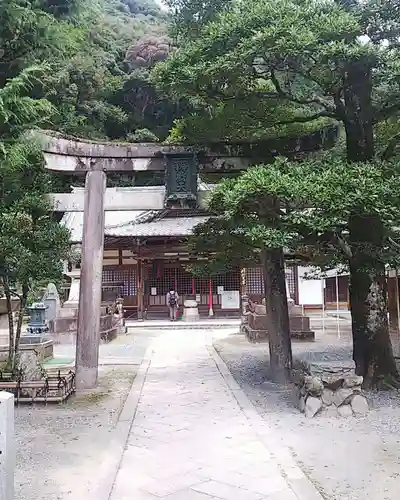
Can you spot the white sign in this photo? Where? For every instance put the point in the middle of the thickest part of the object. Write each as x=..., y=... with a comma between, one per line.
x=310, y=290
x=220, y=290
x=198, y=298
x=154, y=291
x=230, y=299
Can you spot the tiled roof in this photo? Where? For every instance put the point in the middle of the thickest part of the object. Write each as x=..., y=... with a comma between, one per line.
x=134, y=223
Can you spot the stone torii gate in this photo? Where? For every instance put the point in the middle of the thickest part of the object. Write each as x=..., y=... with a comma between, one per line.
x=181, y=165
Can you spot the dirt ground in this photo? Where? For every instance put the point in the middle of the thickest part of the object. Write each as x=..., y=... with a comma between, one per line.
x=60, y=448
x=347, y=459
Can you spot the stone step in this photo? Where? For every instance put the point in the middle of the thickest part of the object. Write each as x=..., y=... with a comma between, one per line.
x=204, y=324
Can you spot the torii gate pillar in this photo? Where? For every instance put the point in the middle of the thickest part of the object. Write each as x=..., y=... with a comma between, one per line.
x=88, y=334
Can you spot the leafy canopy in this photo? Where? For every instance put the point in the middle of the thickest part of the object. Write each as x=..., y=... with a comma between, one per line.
x=316, y=202
x=293, y=54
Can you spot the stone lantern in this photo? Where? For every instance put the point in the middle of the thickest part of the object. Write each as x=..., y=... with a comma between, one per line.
x=37, y=321
x=35, y=344
x=181, y=171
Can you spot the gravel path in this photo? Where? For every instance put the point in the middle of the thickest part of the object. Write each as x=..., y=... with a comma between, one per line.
x=347, y=459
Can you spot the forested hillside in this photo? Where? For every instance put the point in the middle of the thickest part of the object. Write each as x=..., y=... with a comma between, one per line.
x=101, y=92
x=97, y=55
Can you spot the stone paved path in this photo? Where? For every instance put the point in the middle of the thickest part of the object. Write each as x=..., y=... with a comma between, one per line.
x=192, y=440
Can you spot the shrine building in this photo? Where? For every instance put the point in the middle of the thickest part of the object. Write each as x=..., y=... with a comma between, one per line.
x=146, y=255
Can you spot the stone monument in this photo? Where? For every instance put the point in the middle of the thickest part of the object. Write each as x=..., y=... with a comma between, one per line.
x=51, y=300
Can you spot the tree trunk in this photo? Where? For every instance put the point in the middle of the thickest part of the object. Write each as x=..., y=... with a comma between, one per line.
x=24, y=298
x=358, y=112
x=372, y=349
x=11, y=340
x=280, y=348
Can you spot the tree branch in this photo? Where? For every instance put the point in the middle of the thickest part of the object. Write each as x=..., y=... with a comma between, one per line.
x=290, y=97
x=344, y=246
x=394, y=243
x=390, y=148
x=385, y=112
x=305, y=119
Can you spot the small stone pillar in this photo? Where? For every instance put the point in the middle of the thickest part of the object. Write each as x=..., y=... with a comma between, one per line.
x=51, y=300
x=190, y=311
x=73, y=297
x=7, y=446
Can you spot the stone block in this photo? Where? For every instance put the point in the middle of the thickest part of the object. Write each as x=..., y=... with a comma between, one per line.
x=190, y=311
x=332, y=382
x=313, y=385
x=327, y=397
x=256, y=326
x=313, y=406
x=341, y=396
x=359, y=405
x=330, y=411
x=353, y=381
x=345, y=411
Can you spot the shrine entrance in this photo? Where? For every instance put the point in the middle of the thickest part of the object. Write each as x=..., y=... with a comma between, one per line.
x=182, y=166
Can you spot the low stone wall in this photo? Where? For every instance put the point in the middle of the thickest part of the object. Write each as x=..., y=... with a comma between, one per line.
x=335, y=392
x=110, y=326
x=63, y=328
x=43, y=350
x=255, y=327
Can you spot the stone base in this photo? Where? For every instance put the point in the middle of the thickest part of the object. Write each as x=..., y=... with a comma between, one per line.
x=334, y=391
x=44, y=348
x=66, y=338
x=64, y=328
x=254, y=326
x=190, y=311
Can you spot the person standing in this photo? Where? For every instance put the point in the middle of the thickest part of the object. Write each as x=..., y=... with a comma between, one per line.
x=173, y=304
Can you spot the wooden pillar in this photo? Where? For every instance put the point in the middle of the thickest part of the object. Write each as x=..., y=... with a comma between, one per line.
x=88, y=335
x=140, y=288
x=145, y=287
x=243, y=289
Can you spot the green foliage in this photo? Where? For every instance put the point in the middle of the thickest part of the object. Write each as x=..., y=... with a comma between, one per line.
x=32, y=243
x=190, y=15
x=273, y=63
x=19, y=111
x=84, y=45
x=142, y=135
x=305, y=207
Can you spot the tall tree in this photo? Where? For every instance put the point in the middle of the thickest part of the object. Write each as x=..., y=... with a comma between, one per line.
x=316, y=200
x=32, y=243
x=333, y=60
